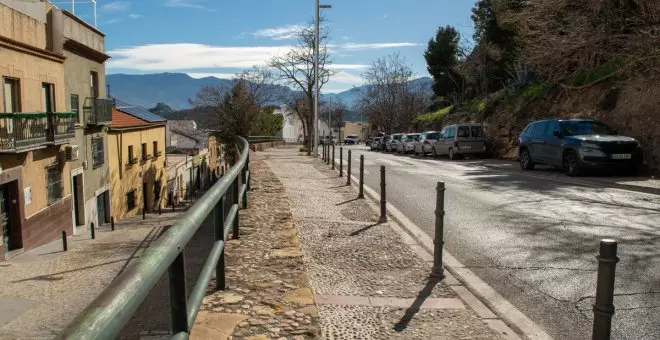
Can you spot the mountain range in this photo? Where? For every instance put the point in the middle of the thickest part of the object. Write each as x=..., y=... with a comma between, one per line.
x=175, y=89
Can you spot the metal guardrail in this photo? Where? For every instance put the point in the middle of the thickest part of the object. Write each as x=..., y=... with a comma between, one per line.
x=109, y=313
x=264, y=139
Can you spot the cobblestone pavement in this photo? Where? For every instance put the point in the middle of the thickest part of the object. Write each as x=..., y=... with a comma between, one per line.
x=268, y=294
x=367, y=282
x=43, y=289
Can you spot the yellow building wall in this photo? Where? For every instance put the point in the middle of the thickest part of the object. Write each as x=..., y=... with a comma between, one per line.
x=125, y=177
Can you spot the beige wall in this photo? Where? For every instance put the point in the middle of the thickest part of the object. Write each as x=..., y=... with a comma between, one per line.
x=21, y=27
x=77, y=79
x=124, y=177
x=355, y=128
x=34, y=176
x=83, y=34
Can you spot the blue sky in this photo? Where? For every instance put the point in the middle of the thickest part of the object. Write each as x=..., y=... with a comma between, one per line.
x=222, y=37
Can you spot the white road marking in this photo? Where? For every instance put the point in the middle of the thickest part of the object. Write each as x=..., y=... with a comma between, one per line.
x=390, y=162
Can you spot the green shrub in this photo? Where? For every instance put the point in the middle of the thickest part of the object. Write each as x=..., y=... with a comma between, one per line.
x=585, y=77
x=432, y=117
x=534, y=90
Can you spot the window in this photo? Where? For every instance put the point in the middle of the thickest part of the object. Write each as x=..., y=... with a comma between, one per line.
x=433, y=136
x=53, y=183
x=155, y=149
x=157, y=190
x=144, y=151
x=98, y=155
x=48, y=91
x=463, y=131
x=130, y=200
x=449, y=133
x=94, y=84
x=74, y=104
x=11, y=96
x=552, y=127
x=477, y=131
x=130, y=154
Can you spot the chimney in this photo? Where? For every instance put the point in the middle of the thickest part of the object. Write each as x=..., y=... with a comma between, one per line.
x=55, y=31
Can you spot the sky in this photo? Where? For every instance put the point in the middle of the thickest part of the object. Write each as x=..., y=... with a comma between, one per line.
x=222, y=37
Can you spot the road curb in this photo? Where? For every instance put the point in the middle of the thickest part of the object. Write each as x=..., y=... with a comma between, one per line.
x=512, y=318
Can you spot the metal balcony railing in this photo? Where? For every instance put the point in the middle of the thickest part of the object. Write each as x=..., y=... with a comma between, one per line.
x=97, y=111
x=22, y=131
x=61, y=126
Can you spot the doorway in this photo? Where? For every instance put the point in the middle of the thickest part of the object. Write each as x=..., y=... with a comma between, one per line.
x=10, y=217
x=101, y=205
x=78, y=200
x=145, y=198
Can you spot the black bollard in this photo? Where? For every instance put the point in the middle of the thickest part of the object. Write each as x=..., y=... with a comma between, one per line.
x=333, y=157
x=361, y=194
x=438, y=241
x=64, y=245
x=160, y=209
x=91, y=230
x=348, y=169
x=341, y=161
x=112, y=223
x=604, y=305
x=383, y=195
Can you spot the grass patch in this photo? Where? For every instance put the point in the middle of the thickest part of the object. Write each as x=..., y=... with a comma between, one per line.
x=603, y=71
x=534, y=90
x=477, y=105
x=432, y=117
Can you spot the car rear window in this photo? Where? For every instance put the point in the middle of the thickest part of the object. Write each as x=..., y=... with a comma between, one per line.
x=396, y=137
x=463, y=131
x=477, y=131
x=413, y=137
x=432, y=135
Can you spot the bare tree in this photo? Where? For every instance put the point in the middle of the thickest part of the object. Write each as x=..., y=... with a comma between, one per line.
x=335, y=110
x=389, y=101
x=296, y=69
x=260, y=82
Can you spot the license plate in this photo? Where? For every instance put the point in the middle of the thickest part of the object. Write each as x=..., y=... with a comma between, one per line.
x=621, y=156
x=466, y=147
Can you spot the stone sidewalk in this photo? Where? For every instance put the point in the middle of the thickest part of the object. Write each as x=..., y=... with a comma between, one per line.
x=368, y=282
x=43, y=289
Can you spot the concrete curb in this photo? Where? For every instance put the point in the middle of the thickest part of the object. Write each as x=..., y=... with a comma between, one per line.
x=513, y=320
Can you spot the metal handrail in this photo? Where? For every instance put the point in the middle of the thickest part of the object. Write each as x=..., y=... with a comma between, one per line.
x=107, y=315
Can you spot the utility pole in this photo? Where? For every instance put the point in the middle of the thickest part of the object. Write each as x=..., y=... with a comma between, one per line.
x=316, y=76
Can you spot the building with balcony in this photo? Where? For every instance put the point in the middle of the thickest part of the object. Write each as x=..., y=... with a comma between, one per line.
x=35, y=127
x=137, y=160
x=85, y=95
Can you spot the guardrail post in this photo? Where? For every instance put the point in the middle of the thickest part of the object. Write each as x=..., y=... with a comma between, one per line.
x=178, y=295
x=244, y=193
x=361, y=194
x=235, y=231
x=341, y=161
x=333, y=157
x=220, y=236
x=604, y=305
x=438, y=240
x=248, y=175
x=112, y=223
x=383, y=196
x=348, y=169
x=92, y=231
x=64, y=245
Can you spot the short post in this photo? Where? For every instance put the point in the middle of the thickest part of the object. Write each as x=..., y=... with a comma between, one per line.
x=91, y=230
x=235, y=231
x=333, y=157
x=438, y=241
x=323, y=153
x=64, y=245
x=144, y=212
x=178, y=296
x=220, y=236
x=112, y=223
x=604, y=305
x=160, y=209
x=341, y=161
x=361, y=194
x=383, y=196
x=327, y=156
x=348, y=169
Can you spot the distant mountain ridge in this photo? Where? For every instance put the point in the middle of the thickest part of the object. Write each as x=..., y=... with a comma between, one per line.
x=175, y=89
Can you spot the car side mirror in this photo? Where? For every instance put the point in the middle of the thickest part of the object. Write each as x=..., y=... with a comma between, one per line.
x=557, y=134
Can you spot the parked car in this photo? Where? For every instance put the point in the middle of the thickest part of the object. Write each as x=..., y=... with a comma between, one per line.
x=350, y=139
x=384, y=142
x=375, y=143
x=368, y=142
x=407, y=143
x=460, y=139
x=576, y=145
x=425, y=143
x=394, y=142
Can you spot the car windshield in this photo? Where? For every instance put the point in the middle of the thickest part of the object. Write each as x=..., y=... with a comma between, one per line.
x=587, y=127
x=396, y=137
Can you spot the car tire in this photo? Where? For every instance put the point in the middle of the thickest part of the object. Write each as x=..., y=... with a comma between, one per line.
x=525, y=160
x=572, y=165
x=452, y=154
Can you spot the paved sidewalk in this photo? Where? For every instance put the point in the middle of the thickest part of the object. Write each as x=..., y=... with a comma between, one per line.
x=43, y=289
x=368, y=281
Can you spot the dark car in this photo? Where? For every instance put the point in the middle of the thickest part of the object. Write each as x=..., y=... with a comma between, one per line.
x=575, y=145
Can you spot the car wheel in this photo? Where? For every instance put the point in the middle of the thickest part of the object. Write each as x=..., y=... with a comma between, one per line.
x=572, y=165
x=526, y=160
x=452, y=154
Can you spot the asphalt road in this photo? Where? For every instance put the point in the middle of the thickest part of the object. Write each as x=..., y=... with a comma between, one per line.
x=534, y=239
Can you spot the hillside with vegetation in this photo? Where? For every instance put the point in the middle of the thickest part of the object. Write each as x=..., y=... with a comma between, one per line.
x=550, y=58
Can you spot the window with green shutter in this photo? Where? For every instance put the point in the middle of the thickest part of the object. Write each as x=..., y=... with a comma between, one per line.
x=98, y=155
x=54, y=186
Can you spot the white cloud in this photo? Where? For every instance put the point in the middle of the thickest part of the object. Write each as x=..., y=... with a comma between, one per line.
x=196, y=4
x=346, y=78
x=210, y=74
x=279, y=33
x=116, y=6
x=135, y=16
x=355, y=46
x=173, y=57
x=332, y=88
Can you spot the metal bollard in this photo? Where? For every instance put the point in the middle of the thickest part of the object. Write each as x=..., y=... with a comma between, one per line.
x=160, y=210
x=333, y=157
x=327, y=156
x=64, y=245
x=438, y=240
x=348, y=169
x=91, y=230
x=604, y=305
x=323, y=153
x=383, y=195
x=112, y=223
x=341, y=161
x=361, y=194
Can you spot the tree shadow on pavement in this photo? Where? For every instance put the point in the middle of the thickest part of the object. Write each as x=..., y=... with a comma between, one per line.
x=417, y=304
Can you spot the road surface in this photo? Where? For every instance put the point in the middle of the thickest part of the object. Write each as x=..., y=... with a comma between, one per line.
x=533, y=239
